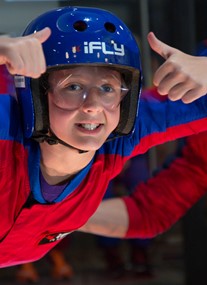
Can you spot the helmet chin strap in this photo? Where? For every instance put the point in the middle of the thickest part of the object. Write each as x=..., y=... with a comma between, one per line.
x=53, y=139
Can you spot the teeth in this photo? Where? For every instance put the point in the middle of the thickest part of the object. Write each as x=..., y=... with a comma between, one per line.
x=90, y=127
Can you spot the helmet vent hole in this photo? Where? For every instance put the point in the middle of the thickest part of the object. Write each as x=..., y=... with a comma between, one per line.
x=80, y=26
x=110, y=27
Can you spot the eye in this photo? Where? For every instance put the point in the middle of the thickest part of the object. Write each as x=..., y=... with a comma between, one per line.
x=106, y=88
x=74, y=87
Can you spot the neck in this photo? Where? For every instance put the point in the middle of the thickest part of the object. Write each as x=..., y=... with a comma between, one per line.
x=59, y=164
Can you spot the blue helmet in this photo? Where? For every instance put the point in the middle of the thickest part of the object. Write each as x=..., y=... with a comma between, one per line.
x=81, y=36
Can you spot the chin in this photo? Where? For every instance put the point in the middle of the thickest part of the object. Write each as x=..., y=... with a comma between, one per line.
x=90, y=146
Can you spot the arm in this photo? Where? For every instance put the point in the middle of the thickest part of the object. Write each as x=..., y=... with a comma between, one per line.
x=24, y=55
x=111, y=219
x=156, y=205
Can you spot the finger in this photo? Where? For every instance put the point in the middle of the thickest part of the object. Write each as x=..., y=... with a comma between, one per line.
x=16, y=68
x=34, y=68
x=42, y=35
x=37, y=63
x=170, y=81
x=177, y=92
x=180, y=90
x=27, y=63
x=192, y=95
x=159, y=47
x=162, y=72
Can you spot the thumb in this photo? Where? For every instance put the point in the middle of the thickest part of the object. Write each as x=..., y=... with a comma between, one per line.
x=159, y=47
x=42, y=35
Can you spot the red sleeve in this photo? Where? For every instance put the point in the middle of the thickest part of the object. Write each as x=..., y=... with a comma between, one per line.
x=156, y=205
x=6, y=81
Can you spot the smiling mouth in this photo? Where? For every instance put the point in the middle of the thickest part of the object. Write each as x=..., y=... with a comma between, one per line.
x=90, y=127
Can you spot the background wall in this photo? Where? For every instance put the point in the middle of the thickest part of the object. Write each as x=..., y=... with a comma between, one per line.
x=14, y=16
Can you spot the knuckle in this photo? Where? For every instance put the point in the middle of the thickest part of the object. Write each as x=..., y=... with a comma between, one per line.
x=161, y=89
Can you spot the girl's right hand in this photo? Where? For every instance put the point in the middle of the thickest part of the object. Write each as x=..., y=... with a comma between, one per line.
x=24, y=55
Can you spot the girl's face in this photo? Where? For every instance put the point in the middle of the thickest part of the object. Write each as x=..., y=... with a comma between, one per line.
x=84, y=105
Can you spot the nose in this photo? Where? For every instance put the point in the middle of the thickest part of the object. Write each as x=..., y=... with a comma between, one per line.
x=92, y=102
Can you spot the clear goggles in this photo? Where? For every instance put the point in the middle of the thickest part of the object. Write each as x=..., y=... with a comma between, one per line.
x=71, y=92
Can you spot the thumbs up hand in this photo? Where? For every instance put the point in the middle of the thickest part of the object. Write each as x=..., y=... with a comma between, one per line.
x=24, y=55
x=181, y=76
